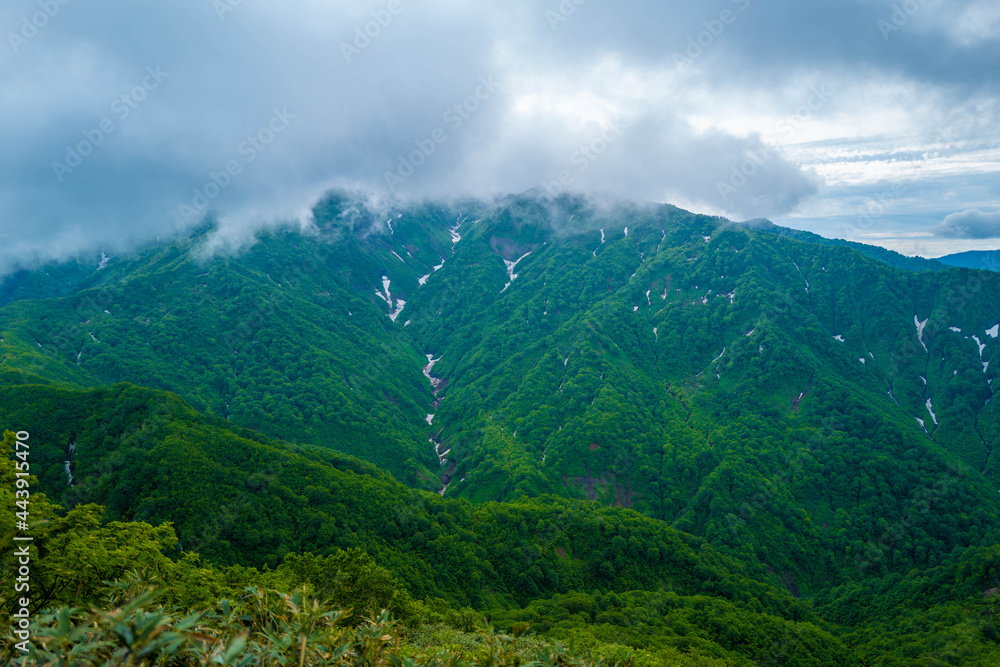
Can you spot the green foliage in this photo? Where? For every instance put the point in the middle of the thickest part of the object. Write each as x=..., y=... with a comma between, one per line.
x=261, y=627
x=737, y=417
x=347, y=579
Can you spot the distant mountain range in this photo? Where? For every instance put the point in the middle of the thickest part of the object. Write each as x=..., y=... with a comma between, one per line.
x=974, y=259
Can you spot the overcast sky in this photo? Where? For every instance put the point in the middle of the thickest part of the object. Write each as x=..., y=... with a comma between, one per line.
x=864, y=119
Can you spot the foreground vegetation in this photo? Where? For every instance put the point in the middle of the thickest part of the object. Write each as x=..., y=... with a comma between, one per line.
x=116, y=592
x=669, y=440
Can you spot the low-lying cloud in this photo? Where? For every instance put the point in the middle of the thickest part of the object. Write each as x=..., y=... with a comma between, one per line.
x=971, y=224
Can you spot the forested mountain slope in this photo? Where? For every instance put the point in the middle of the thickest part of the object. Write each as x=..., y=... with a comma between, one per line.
x=974, y=259
x=821, y=419
x=890, y=257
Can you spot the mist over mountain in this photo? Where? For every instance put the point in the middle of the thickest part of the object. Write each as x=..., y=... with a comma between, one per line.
x=386, y=333
x=612, y=387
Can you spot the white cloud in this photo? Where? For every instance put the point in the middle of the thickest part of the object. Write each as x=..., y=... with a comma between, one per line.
x=978, y=22
x=561, y=88
x=970, y=224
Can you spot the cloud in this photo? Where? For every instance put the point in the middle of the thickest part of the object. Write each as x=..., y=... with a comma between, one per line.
x=971, y=224
x=120, y=117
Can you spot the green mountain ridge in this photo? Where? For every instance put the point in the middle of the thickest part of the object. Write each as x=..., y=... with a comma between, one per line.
x=974, y=259
x=889, y=257
x=437, y=383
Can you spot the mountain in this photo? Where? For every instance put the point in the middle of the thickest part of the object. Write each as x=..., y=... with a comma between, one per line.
x=883, y=255
x=974, y=259
x=513, y=400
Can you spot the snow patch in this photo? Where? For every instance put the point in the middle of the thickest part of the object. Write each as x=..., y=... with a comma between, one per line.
x=455, y=236
x=510, y=270
x=920, y=330
x=982, y=346
x=720, y=356
x=626, y=232
x=385, y=285
x=430, y=419
x=400, y=305
x=840, y=338
x=708, y=239
x=752, y=332
x=435, y=382
x=422, y=281
x=921, y=422
x=930, y=409
x=656, y=332
x=387, y=297
x=994, y=332
x=955, y=329
x=602, y=243
x=863, y=360
x=396, y=255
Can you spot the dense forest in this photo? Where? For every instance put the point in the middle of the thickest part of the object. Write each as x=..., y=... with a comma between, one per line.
x=508, y=431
